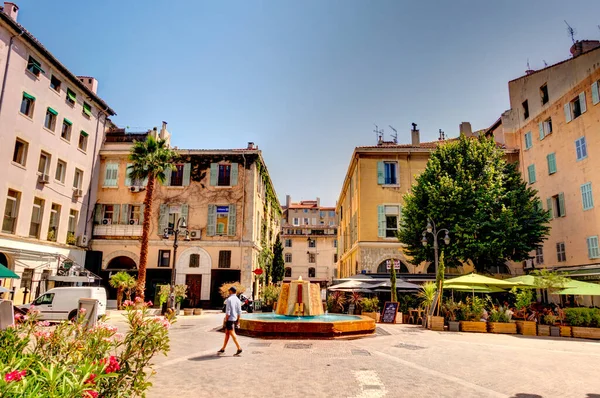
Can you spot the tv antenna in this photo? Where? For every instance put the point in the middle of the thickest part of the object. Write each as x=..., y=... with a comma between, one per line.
x=571, y=31
x=545, y=63
x=395, y=135
x=379, y=133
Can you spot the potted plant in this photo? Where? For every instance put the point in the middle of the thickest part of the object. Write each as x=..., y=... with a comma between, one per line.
x=585, y=322
x=404, y=305
x=551, y=320
x=370, y=308
x=452, y=312
x=523, y=298
x=499, y=321
x=473, y=312
x=565, y=330
x=338, y=299
x=543, y=327
x=354, y=301
x=122, y=281
x=427, y=296
x=180, y=295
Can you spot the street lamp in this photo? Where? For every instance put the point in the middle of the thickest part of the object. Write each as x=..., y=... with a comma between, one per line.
x=180, y=227
x=431, y=229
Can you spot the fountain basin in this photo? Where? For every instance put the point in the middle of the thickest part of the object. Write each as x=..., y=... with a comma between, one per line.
x=319, y=326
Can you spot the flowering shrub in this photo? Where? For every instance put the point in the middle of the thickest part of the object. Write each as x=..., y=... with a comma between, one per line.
x=71, y=360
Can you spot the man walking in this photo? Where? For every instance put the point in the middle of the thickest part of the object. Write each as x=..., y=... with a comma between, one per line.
x=233, y=310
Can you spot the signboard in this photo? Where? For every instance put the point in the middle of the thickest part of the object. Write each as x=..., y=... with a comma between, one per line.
x=258, y=271
x=175, y=209
x=388, y=264
x=390, y=311
x=26, y=277
x=222, y=209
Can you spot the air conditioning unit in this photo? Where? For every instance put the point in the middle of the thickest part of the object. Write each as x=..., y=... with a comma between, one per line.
x=136, y=188
x=106, y=221
x=77, y=192
x=528, y=264
x=134, y=221
x=43, y=178
x=196, y=234
x=82, y=241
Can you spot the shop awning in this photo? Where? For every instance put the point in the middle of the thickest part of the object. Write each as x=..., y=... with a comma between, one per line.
x=5, y=273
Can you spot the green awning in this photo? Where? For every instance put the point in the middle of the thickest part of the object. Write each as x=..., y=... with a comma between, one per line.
x=35, y=65
x=87, y=109
x=83, y=133
x=71, y=95
x=68, y=122
x=28, y=96
x=5, y=273
x=52, y=111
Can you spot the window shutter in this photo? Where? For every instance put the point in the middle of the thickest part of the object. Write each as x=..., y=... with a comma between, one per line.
x=234, y=174
x=187, y=168
x=567, y=109
x=98, y=213
x=141, y=214
x=125, y=214
x=550, y=211
x=561, y=202
x=128, y=175
x=163, y=219
x=380, y=173
x=109, y=175
x=116, y=208
x=145, y=182
x=551, y=163
x=582, y=104
x=231, y=221
x=211, y=224
x=214, y=174
x=184, y=213
x=541, y=127
x=381, y=221
x=168, y=174
x=595, y=94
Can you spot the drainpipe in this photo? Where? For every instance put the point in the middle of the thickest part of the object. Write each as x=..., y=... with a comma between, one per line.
x=244, y=222
x=12, y=38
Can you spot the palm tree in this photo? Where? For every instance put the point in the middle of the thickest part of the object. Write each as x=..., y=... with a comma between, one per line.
x=121, y=281
x=151, y=160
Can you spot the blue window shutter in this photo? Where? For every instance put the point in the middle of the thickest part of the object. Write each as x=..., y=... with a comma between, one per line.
x=211, y=224
x=116, y=209
x=380, y=173
x=561, y=202
x=550, y=210
x=163, y=219
x=595, y=94
x=541, y=127
x=214, y=174
x=583, y=147
x=184, y=213
x=127, y=175
x=582, y=104
x=141, y=214
x=567, y=109
x=124, y=214
x=381, y=221
x=231, y=221
x=234, y=174
x=187, y=169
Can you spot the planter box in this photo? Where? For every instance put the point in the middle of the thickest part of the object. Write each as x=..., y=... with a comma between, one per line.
x=399, y=318
x=436, y=323
x=502, y=327
x=372, y=315
x=526, y=328
x=473, y=326
x=188, y=311
x=565, y=331
x=453, y=326
x=554, y=331
x=405, y=318
x=197, y=311
x=586, y=333
x=543, y=330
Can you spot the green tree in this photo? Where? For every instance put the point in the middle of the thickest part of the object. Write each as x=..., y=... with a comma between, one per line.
x=469, y=188
x=278, y=262
x=121, y=281
x=393, y=283
x=151, y=160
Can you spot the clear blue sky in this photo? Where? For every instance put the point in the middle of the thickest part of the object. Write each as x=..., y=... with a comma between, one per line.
x=306, y=80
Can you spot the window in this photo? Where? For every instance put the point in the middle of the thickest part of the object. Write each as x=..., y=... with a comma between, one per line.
x=561, y=255
x=111, y=175
x=288, y=257
x=545, y=128
x=11, y=211
x=45, y=299
x=525, y=109
x=20, y=152
x=312, y=272
x=312, y=243
x=312, y=258
x=73, y=217
x=557, y=202
x=54, y=222
x=50, y=121
x=34, y=66
x=135, y=214
x=194, y=261
x=581, y=148
x=224, y=175
x=551, y=158
x=224, y=258
x=332, y=214
x=305, y=210
x=222, y=220
x=388, y=217
x=595, y=93
x=44, y=164
x=544, y=94
x=78, y=179
x=387, y=173
x=531, y=173
x=296, y=221
x=61, y=170
x=54, y=83
x=528, y=140
x=335, y=243
x=306, y=221
x=288, y=243
x=164, y=258
x=37, y=214
x=87, y=109
x=335, y=257
x=177, y=176
x=71, y=97
x=65, y=132
x=587, y=196
x=83, y=139
x=108, y=213
x=575, y=108
x=539, y=255
x=288, y=272
x=592, y=245
x=27, y=104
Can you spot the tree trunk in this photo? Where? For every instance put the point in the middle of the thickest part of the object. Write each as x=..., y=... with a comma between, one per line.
x=141, y=282
x=119, y=297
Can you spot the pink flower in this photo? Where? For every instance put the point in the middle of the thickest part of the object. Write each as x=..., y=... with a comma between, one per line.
x=127, y=303
x=118, y=336
x=165, y=322
x=42, y=335
x=149, y=304
x=82, y=311
x=44, y=323
x=91, y=379
x=90, y=394
x=15, y=375
x=18, y=317
x=138, y=300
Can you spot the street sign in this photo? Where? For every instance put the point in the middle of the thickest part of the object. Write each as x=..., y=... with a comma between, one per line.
x=26, y=277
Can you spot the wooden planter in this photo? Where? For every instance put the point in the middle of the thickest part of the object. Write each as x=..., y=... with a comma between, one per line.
x=473, y=326
x=502, y=327
x=453, y=326
x=188, y=311
x=565, y=331
x=543, y=330
x=526, y=328
x=586, y=333
x=405, y=318
x=437, y=323
x=197, y=311
x=555, y=331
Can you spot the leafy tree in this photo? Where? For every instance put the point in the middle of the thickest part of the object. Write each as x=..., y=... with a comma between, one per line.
x=122, y=281
x=278, y=262
x=151, y=160
x=469, y=188
x=393, y=283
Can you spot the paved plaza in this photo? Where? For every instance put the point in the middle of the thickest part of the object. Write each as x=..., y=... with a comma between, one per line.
x=399, y=361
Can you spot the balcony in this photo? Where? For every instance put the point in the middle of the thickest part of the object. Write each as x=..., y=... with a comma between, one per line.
x=117, y=230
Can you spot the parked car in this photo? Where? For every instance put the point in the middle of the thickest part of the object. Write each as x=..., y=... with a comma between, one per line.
x=61, y=303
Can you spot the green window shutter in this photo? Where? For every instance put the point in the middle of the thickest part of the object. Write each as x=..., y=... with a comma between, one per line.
x=141, y=214
x=124, y=214
x=592, y=244
x=531, y=173
x=381, y=221
x=567, y=109
x=87, y=109
x=550, y=210
x=582, y=104
x=541, y=127
x=98, y=213
x=163, y=219
x=587, y=196
x=70, y=123
x=234, y=174
x=214, y=174
x=116, y=209
x=561, y=202
x=71, y=95
x=28, y=96
x=111, y=174
x=595, y=94
x=528, y=140
x=168, y=174
x=551, y=158
x=211, y=224
x=231, y=221
x=380, y=173
x=187, y=170
x=539, y=205
x=184, y=213
x=128, y=182
x=52, y=111
x=589, y=247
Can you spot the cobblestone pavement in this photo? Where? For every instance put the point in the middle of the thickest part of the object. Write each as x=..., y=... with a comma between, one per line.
x=399, y=361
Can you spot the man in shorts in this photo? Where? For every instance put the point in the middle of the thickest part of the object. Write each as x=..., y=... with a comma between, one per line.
x=233, y=310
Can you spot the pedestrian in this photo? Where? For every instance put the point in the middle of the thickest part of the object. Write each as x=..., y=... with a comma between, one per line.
x=233, y=310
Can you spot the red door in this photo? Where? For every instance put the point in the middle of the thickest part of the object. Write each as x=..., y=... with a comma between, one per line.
x=194, y=283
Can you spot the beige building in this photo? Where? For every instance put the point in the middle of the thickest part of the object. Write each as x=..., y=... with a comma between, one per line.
x=226, y=198
x=309, y=238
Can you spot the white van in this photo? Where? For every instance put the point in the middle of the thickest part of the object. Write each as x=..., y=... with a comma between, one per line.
x=61, y=303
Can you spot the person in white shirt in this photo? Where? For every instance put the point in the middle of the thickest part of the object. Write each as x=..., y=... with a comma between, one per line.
x=233, y=310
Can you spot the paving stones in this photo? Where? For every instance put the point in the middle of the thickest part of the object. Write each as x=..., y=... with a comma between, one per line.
x=298, y=346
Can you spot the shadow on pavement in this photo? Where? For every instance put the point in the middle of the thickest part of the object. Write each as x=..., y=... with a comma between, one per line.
x=522, y=395
x=205, y=357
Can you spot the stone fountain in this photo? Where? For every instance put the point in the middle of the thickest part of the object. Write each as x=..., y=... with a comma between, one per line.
x=300, y=298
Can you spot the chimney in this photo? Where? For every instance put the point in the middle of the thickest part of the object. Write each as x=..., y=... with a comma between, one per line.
x=11, y=9
x=164, y=133
x=465, y=128
x=415, y=135
x=90, y=83
x=288, y=201
x=251, y=145
x=580, y=47
x=319, y=202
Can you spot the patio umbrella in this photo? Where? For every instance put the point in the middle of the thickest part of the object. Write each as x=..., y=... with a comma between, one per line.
x=476, y=289
x=578, y=288
x=480, y=280
x=3, y=290
x=525, y=281
x=400, y=284
x=5, y=273
x=351, y=285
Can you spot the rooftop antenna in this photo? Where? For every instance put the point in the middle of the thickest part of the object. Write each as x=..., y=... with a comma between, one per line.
x=379, y=133
x=442, y=136
x=528, y=67
x=545, y=63
x=395, y=135
x=571, y=31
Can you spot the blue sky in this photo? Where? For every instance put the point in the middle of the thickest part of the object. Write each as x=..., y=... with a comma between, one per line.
x=306, y=80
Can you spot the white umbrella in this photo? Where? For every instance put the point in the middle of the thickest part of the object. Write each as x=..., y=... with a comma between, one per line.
x=4, y=290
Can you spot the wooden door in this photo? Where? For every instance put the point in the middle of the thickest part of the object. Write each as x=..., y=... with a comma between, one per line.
x=194, y=283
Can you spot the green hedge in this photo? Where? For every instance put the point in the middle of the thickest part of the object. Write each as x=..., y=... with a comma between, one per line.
x=586, y=317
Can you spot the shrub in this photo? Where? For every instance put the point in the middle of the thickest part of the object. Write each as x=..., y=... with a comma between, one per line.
x=270, y=294
x=523, y=297
x=370, y=304
x=450, y=309
x=585, y=317
x=224, y=289
x=550, y=319
x=337, y=299
x=472, y=310
x=500, y=314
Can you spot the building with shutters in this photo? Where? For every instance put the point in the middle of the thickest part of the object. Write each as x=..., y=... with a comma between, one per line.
x=51, y=129
x=555, y=119
x=226, y=198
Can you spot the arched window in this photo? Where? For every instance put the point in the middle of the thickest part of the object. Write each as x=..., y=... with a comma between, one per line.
x=383, y=267
x=312, y=272
x=288, y=272
x=121, y=263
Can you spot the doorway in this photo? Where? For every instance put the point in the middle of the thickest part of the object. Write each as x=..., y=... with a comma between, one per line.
x=194, y=284
x=218, y=277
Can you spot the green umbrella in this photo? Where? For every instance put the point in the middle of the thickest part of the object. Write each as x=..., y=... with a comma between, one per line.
x=5, y=273
x=525, y=281
x=479, y=280
x=578, y=288
x=475, y=288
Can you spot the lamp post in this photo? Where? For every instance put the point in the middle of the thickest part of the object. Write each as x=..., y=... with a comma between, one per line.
x=180, y=227
x=432, y=229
